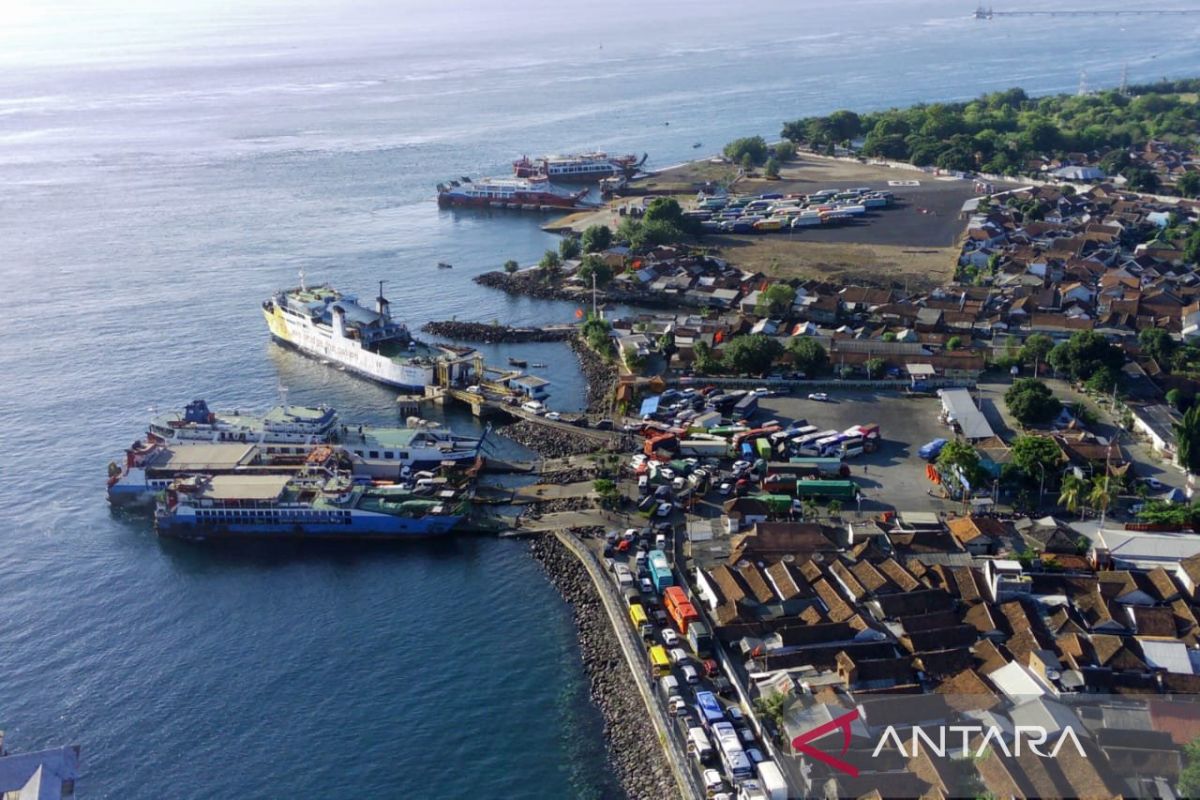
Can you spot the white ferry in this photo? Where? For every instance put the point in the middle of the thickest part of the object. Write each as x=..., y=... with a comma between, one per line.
x=282, y=424
x=323, y=322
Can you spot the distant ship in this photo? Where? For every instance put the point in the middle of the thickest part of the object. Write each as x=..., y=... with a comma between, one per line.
x=305, y=507
x=332, y=326
x=580, y=167
x=529, y=194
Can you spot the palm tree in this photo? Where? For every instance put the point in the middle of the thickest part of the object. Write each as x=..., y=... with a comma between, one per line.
x=1071, y=493
x=1100, y=497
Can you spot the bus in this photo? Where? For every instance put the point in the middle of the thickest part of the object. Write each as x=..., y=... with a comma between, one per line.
x=660, y=662
x=710, y=709
x=733, y=756
x=809, y=444
x=679, y=608
x=660, y=571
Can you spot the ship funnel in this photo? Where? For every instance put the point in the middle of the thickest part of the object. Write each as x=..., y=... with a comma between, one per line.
x=381, y=304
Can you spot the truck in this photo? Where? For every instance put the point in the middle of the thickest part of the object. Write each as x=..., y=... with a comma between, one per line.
x=746, y=407
x=660, y=571
x=770, y=779
x=704, y=448
x=777, y=503
x=762, y=446
x=833, y=490
x=700, y=639
x=818, y=467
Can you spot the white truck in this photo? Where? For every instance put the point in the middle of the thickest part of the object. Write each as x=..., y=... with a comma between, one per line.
x=770, y=780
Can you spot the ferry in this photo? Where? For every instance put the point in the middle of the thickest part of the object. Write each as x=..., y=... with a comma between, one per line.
x=331, y=325
x=304, y=507
x=284, y=423
x=394, y=454
x=585, y=167
x=529, y=194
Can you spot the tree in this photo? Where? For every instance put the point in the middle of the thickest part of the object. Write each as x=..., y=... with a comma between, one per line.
x=1084, y=353
x=1178, y=400
x=1031, y=402
x=874, y=366
x=1102, y=381
x=774, y=708
x=888, y=337
x=958, y=460
x=775, y=301
x=747, y=163
x=569, y=248
x=607, y=491
x=594, y=265
x=1100, y=496
x=1187, y=439
x=550, y=260
x=771, y=168
x=753, y=147
x=704, y=360
x=1070, y=495
x=1036, y=348
x=596, y=238
x=835, y=507
x=1158, y=344
x=1036, y=456
x=664, y=209
x=511, y=266
x=954, y=342
x=752, y=355
x=786, y=151
x=1188, y=184
x=808, y=355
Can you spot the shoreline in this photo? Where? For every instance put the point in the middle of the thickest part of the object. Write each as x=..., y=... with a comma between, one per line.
x=633, y=750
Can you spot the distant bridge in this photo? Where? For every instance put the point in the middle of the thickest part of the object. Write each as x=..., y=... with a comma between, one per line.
x=988, y=13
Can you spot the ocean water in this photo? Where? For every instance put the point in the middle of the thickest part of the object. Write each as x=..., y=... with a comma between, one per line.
x=166, y=166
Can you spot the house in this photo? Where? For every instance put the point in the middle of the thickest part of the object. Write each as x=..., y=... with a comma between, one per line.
x=980, y=536
x=1156, y=422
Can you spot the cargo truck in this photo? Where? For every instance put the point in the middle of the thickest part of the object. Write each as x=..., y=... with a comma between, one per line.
x=700, y=639
x=746, y=407
x=704, y=448
x=770, y=778
x=777, y=503
x=833, y=490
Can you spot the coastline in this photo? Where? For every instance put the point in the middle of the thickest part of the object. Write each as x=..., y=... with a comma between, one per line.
x=634, y=751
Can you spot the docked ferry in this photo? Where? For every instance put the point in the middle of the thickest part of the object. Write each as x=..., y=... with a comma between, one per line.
x=306, y=507
x=282, y=424
x=330, y=325
x=582, y=167
x=528, y=194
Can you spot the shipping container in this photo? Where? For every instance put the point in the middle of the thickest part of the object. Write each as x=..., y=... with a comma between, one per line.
x=777, y=503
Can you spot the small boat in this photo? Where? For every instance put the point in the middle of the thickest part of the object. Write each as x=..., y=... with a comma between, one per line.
x=697, y=145
x=539, y=366
x=444, y=265
x=517, y=362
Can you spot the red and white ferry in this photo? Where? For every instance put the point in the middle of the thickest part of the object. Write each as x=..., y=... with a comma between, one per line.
x=584, y=167
x=529, y=194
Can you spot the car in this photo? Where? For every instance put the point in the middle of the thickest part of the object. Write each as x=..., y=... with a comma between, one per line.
x=735, y=715
x=647, y=586
x=725, y=488
x=676, y=705
x=475, y=390
x=690, y=675
x=746, y=735
x=678, y=655
x=604, y=425
x=533, y=407
x=755, y=755
x=713, y=782
x=741, y=466
x=669, y=637
x=667, y=474
x=630, y=427
x=660, y=616
x=761, y=391
x=1153, y=483
x=665, y=509
x=820, y=397
x=553, y=416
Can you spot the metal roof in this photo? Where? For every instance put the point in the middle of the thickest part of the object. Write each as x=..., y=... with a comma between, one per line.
x=245, y=487
x=961, y=408
x=650, y=405
x=201, y=457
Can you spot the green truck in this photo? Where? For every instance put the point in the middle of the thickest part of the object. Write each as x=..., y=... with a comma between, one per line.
x=828, y=490
x=777, y=503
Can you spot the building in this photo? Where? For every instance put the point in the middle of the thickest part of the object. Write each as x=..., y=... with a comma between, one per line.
x=960, y=410
x=1156, y=422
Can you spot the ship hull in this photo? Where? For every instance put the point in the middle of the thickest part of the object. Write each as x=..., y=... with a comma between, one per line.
x=447, y=200
x=379, y=527
x=345, y=353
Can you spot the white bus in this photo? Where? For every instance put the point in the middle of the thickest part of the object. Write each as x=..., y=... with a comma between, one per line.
x=733, y=756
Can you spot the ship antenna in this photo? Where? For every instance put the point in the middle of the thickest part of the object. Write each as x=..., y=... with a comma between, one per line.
x=283, y=392
x=303, y=288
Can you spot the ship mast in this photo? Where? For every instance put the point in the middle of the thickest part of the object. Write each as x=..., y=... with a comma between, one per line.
x=303, y=287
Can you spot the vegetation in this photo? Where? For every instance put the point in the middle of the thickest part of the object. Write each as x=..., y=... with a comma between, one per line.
x=1187, y=439
x=1001, y=131
x=662, y=224
x=1157, y=512
x=1178, y=400
x=785, y=150
x=808, y=356
x=771, y=168
x=959, y=460
x=1030, y=401
x=773, y=708
x=704, y=360
x=751, y=355
x=550, y=260
x=874, y=366
x=511, y=266
x=1084, y=354
x=596, y=238
x=775, y=301
x=594, y=265
x=1158, y=344
x=1189, y=777
x=1070, y=496
x=1036, y=456
x=569, y=248
x=1100, y=496
x=954, y=343
x=752, y=147
x=1036, y=348
x=595, y=332
x=607, y=491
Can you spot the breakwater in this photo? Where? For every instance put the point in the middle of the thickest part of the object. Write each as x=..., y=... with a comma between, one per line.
x=488, y=333
x=600, y=375
x=634, y=751
x=533, y=283
x=548, y=442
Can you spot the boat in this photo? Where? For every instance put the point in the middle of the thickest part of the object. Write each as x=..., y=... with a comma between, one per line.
x=390, y=453
x=444, y=265
x=282, y=424
x=533, y=194
x=334, y=507
x=697, y=145
x=580, y=167
x=325, y=323
x=517, y=362
x=536, y=365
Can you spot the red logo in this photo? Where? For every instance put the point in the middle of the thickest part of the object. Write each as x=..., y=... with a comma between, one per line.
x=801, y=743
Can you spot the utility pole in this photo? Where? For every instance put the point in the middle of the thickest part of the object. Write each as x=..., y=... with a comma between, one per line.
x=593, y=294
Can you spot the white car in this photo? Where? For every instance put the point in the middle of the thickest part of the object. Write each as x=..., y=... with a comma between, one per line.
x=533, y=407
x=665, y=509
x=553, y=416
x=475, y=390
x=690, y=675
x=676, y=705
x=678, y=655
x=667, y=474
x=741, y=466
x=820, y=397
x=713, y=782
x=670, y=638
x=762, y=391
x=725, y=488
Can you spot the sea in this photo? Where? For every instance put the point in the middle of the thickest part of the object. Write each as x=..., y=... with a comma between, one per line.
x=166, y=166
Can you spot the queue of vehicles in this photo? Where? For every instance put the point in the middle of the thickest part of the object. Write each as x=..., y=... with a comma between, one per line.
x=766, y=213
x=679, y=658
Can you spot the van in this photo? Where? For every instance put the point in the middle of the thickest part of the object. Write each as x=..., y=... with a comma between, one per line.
x=668, y=685
x=643, y=483
x=533, y=407
x=660, y=542
x=690, y=675
x=699, y=745
x=678, y=484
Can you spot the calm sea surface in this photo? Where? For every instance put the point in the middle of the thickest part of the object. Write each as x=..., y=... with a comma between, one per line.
x=165, y=169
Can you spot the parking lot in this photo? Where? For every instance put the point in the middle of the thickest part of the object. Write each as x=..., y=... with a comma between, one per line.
x=892, y=477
